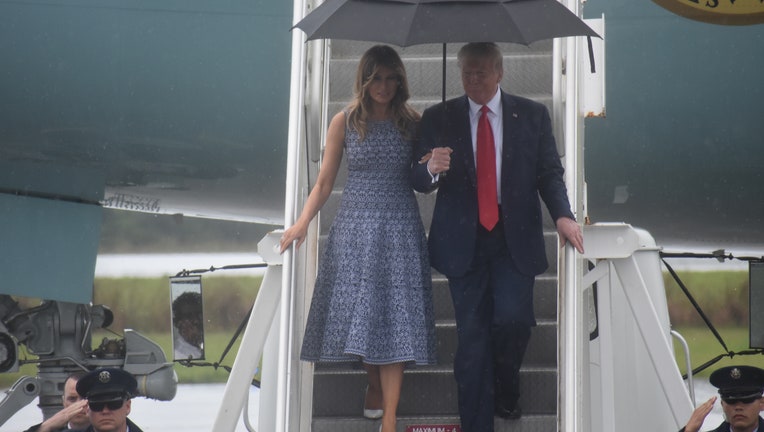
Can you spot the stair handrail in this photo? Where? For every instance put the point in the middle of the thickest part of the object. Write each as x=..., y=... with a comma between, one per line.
x=687, y=363
x=571, y=344
x=566, y=97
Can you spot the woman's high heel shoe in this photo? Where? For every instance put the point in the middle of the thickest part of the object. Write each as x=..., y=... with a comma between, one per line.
x=372, y=414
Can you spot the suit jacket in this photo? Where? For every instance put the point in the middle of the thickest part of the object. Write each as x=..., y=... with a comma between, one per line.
x=530, y=167
x=36, y=427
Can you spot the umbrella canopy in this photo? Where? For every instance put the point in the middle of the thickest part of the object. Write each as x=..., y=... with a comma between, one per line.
x=413, y=22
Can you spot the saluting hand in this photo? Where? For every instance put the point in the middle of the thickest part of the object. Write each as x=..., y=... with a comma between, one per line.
x=699, y=415
x=62, y=418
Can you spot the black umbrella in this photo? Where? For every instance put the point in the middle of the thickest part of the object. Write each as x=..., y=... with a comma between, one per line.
x=413, y=22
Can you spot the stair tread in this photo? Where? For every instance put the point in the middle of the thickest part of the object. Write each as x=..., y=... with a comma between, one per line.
x=338, y=388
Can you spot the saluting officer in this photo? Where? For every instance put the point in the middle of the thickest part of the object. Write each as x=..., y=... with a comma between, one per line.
x=108, y=392
x=740, y=388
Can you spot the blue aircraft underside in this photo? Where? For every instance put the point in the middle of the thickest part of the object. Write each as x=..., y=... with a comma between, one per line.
x=160, y=107
x=181, y=107
x=680, y=151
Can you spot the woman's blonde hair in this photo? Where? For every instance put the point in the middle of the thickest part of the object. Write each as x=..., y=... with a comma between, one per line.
x=403, y=116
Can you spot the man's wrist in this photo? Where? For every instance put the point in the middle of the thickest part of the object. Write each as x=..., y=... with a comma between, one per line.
x=433, y=177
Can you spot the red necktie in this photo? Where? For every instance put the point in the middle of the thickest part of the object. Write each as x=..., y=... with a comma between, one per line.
x=486, y=172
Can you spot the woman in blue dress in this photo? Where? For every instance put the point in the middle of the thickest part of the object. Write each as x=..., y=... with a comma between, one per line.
x=372, y=299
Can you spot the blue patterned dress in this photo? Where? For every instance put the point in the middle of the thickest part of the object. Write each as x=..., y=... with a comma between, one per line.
x=373, y=295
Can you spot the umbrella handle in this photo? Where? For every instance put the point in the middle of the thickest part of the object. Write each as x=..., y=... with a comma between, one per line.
x=443, y=93
x=591, y=53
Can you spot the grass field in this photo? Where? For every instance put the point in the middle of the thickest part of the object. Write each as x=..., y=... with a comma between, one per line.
x=215, y=343
x=143, y=304
x=723, y=298
x=704, y=347
x=722, y=295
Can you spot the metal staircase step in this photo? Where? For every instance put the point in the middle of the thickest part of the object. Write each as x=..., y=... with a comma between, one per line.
x=427, y=391
x=353, y=49
x=525, y=74
x=528, y=423
x=545, y=294
x=542, y=347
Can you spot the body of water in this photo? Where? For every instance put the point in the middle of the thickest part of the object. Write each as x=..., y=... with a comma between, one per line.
x=193, y=409
x=170, y=264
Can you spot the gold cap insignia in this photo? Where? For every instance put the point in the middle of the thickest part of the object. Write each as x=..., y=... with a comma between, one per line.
x=735, y=373
x=104, y=376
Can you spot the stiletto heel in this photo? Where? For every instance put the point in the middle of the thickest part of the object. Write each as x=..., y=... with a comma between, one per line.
x=371, y=414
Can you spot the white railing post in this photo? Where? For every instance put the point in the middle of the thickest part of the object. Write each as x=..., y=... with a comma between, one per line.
x=253, y=340
x=571, y=346
x=294, y=139
x=572, y=349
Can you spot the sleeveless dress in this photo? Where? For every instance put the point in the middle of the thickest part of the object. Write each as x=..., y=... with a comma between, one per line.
x=372, y=300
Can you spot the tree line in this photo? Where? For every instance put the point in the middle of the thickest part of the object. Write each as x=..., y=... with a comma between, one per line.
x=135, y=232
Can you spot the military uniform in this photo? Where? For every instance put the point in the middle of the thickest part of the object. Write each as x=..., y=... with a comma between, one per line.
x=105, y=386
x=725, y=427
x=738, y=383
x=131, y=427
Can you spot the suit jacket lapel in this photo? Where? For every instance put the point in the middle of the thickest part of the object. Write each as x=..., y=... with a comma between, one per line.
x=511, y=121
x=464, y=137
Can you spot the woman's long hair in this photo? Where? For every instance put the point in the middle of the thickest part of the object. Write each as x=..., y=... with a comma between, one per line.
x=403, y=116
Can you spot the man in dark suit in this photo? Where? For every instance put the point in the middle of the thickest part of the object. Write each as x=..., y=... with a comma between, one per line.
x=74, y=415
x=489, y=166
x=740, y=388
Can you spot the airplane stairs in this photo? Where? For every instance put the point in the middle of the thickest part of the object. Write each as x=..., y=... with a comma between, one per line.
x=429, y=393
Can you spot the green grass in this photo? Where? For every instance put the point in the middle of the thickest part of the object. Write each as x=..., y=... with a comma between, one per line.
x=722, y=295
x=215, y=343
x=704, y=347
x=143, y=304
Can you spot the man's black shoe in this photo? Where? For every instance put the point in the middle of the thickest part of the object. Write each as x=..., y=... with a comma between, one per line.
x=509, y=414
